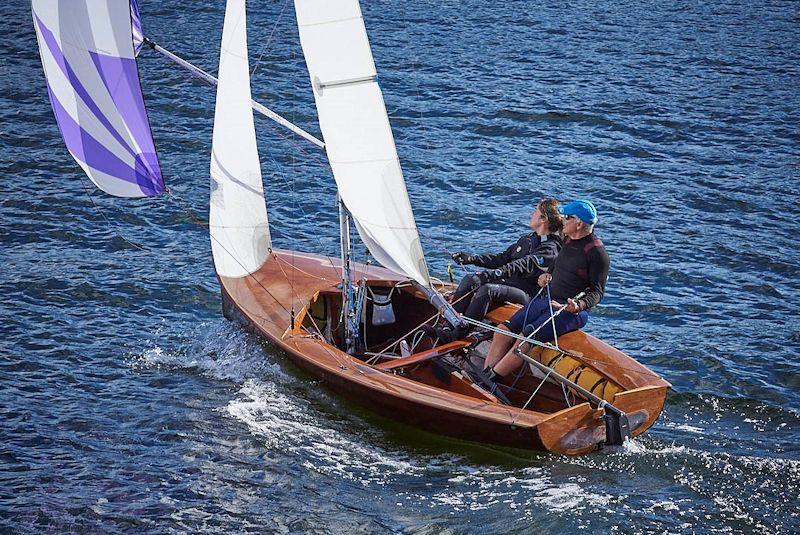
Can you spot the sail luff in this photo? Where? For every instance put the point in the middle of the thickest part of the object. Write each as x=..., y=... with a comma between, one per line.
x=238, y=226
x=358, y=136
x=136, y=28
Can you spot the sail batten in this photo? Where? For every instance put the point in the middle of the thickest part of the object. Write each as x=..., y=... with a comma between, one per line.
x=87, y=53
x=240, y=237
x=357, y=133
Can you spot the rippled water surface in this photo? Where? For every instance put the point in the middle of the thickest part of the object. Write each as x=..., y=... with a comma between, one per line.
x=127, y=403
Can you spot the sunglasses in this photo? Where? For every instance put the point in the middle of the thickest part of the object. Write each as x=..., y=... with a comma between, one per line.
x=570, y=216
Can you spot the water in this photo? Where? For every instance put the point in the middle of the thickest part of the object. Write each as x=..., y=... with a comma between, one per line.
x=129, y=404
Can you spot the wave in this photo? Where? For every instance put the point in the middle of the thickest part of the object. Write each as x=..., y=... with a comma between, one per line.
x=217, y=349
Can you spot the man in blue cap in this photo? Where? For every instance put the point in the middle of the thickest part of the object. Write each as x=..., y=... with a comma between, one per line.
x=581, y=266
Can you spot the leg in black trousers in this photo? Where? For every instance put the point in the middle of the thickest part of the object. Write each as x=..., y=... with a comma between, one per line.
x=460, y=298
x=493, y=293
x=476, y=305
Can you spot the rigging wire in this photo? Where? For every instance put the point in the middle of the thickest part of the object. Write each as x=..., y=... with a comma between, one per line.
x=150, y=251
x=188, y=211
x=265, y=46
x=172, y=196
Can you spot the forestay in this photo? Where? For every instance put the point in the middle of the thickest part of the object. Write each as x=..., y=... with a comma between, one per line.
x=86, y=48
x=358, y=137
x=240, y=238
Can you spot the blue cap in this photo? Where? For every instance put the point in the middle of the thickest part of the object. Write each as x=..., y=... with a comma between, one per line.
x=583, y=209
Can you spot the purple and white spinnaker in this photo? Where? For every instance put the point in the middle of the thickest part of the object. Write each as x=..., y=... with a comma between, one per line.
x=87, y=52
x=136, y=28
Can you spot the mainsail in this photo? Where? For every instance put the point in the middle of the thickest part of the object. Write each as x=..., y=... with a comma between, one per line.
x=87, y=53
x=240, y=238
x=358, y=137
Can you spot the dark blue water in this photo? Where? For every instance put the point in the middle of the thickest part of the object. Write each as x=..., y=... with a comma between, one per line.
x=127, y=403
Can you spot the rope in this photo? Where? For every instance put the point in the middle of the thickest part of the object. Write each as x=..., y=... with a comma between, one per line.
x=304, y=272
x=450, y=254
x=552, y=315
x=403, y=337
x=111, y=226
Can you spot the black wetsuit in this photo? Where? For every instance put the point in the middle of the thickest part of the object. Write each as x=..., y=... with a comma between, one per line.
x=523, y=261
x=581, y=266
x=520, y=264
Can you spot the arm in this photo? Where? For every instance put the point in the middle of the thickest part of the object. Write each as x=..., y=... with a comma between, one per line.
x=541, y=260
x=496, y=260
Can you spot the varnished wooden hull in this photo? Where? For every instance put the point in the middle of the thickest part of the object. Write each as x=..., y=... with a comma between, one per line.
x=275, y=296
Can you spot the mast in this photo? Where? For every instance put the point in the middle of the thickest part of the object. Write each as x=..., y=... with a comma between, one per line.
x=350, y=317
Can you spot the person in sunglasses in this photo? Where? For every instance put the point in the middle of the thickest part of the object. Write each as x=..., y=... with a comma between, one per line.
x=581, y=266
x=511, y=275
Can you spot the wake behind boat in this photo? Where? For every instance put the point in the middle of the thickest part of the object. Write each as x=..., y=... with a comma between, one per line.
x=361, y=333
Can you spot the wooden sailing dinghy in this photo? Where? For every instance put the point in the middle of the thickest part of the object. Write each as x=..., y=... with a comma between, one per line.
x=361, y=335
x=428, y=388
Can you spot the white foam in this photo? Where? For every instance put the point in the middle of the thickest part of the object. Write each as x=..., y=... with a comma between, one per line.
x=571, y=497
x=633, y=446
x=218, y=349
x=666, y=505
x=292, y=425
x=684, y=427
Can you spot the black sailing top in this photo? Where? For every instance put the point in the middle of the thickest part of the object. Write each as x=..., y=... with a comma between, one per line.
x=582, y=266
x=523, y=261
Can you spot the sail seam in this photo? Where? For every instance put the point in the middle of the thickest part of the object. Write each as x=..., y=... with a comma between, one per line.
x=378, y=225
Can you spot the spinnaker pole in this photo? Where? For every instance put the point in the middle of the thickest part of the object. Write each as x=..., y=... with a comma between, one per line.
x=211, y=80
x=433, y=296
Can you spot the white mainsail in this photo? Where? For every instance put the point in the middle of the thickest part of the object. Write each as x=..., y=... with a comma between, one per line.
x=358, y=137
x=240, y=238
